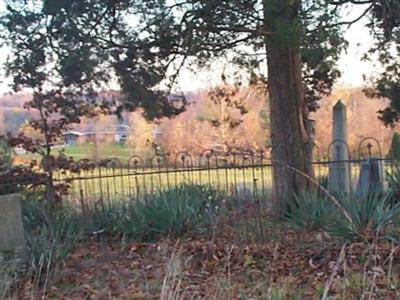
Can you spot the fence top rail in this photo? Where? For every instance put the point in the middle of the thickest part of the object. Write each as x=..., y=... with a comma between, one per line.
x=156, y=171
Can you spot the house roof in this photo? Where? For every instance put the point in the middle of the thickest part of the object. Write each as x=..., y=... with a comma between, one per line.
x=119, y=129
x=92, y=133
x=72, y=132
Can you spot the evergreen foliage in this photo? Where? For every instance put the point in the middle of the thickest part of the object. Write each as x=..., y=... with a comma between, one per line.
x=145, y=43
x=6, y=158
x=395, y=146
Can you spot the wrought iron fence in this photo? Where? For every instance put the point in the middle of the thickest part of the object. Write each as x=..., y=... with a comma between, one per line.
x=230, y=173
x=236, y=172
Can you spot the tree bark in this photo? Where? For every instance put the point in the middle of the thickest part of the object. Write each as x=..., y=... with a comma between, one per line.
x=288, y=113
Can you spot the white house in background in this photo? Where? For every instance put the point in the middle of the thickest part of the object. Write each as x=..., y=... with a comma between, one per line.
x=19, y=150
x=121, y=133
x=118, y=134
x=71, y=137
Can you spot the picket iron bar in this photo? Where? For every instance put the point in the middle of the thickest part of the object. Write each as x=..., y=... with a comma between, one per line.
x=197, y=169
x=235, y=171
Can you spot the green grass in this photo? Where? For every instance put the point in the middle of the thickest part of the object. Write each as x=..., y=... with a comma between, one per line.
x=85, y=151
x=109, y=150
x=52, y=232
x=105, y=184
x=176, y=212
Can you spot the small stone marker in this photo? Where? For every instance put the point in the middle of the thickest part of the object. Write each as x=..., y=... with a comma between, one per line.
x=364, y=180
x=372, y=178
x=11, y=227
x=339, y=172
x=242, y=194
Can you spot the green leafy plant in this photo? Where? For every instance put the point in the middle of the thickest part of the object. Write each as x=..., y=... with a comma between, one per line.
x=324, y=181
x=6, y=160
x=394, y=151
x=5, y=155
x=371, y=217
x=171, y=212
x=51, y=234
x=8, y=274
x=393, y=179
x=310, y=210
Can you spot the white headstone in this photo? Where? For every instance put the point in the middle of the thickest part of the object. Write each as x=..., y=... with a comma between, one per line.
x=339, y=170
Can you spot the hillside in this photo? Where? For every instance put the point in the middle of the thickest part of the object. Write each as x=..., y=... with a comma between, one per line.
x=178, y=133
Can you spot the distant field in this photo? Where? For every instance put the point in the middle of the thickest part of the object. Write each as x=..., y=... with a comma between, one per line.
x=80, y=151
x=87, y=150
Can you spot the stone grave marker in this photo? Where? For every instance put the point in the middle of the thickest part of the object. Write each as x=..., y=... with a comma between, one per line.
x=11, y=226
x=372, y=178
x=339, y=172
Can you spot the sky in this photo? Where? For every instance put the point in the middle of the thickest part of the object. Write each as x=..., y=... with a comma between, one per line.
x=350, y=63
x=360, y=41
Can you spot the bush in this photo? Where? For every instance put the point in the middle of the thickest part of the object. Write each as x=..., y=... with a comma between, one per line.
x=6, y=160
x=171, y=212
x=394, y=151
x=371, y=217
x=5, y=156
x=393, y=179
x=310, y=210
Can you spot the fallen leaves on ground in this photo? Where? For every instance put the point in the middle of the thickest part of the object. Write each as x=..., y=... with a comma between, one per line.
x=220, y=266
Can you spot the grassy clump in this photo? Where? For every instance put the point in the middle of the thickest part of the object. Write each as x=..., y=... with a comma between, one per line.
x=393, y=179
x=310, y=210
x=373, y=216
x=8, y=273
x=171, y=212
x=51, y=234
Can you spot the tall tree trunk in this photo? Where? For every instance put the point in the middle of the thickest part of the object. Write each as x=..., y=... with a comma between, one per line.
x=288, y=112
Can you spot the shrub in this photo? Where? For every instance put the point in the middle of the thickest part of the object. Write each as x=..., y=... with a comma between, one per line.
x=6, y=161
x=5, y=156
x=394, y=151
x=371, y=217
x=171, y=212
x=393, y=179
x=310, y=210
